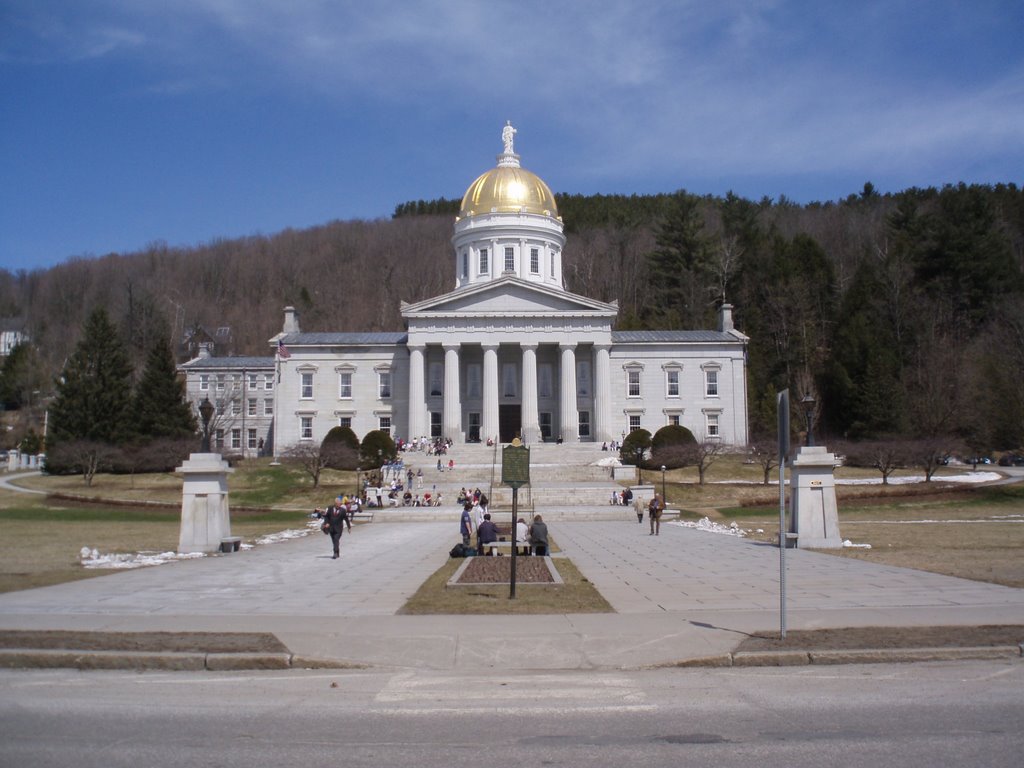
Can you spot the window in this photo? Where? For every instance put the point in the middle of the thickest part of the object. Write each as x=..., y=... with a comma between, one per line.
x=384, y=384
x=268, y=407
x=465, y=264
x=584, y=423
x=236, y=438
x=251, y=407
x=510, y=259
x=220, y=382
x=204, y=382
x=236, y=408
x=545, y=426
x=252, y=381
x=711, y=383
x=436, y=379
x=552, y=263
x=435, y=424
x=253, y=441
x=345, y=385
x=268, y=381
x=219, y=438
x=633, y=383
x=484, y=267
x=473, y=374
x=535, y=261
x=672, y=383
x=345, y=421
x=544, y=379
x=712, y=425
x=583, y=378
x=384, y=423
x=508, y=380
x=474, y=427
x=307, y=386
x=306, y=427
x=673, y=419
x=634, y=422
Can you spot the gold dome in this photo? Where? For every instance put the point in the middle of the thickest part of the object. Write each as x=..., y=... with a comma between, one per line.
x=508, y=190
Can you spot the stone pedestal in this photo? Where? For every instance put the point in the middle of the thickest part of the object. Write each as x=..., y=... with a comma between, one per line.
x=205, y=517
x=814, y=516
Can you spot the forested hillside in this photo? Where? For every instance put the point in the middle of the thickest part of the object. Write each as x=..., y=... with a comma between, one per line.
x=903, y=314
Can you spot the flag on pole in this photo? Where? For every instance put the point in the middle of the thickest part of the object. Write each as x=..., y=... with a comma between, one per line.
x=282, y=350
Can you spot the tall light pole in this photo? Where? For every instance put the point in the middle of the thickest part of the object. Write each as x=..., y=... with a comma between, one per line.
x=664, y=498
x=639, y=464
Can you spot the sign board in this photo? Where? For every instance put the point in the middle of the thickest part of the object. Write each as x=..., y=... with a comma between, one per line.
x=515, y=465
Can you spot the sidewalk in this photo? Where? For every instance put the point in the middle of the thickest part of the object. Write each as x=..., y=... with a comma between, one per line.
x=682, y=596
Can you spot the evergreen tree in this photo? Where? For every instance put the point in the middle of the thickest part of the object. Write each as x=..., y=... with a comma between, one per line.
x=678, y=266
x=93, y=400
x=160, y=408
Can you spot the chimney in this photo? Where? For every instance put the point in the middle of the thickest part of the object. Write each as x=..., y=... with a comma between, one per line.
x=204, y=350
x=291, y=320
x=725, y=318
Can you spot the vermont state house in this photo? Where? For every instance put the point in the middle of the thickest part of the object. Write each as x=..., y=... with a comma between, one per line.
x=509, y=352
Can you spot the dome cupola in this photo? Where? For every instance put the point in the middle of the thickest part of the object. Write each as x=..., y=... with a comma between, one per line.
x=508, y=224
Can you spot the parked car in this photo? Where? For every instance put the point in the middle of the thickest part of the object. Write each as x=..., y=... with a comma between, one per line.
x=1011, y=460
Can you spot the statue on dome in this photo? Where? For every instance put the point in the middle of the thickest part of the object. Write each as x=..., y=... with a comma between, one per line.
x=506, y=137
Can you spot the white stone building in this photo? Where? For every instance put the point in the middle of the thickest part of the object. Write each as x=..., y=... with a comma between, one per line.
x=509, y=351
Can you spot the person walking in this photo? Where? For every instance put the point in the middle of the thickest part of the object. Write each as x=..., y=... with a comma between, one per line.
x=654, y=512
x=335, y=517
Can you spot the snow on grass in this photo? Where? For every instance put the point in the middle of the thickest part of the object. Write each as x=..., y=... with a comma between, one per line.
x=710, y=526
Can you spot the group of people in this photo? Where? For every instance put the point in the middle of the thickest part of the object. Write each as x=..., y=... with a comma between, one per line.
x=613, y=446
x=336, y=519
x=532, y=539
x=623, y=497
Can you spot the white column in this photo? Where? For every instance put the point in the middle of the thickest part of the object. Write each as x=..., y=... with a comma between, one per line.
x=568, y=411
x=490, y=415
x=531, y=414
x=452, y=419
x=602, y=394
x=417, y=403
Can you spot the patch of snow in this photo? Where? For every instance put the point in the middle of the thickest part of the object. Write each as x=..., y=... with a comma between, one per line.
x=91, y=558
x=709, y=526
x=848, y=543
x=608, y=461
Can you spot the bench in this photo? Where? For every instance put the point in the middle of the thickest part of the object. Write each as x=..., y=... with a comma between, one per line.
x=499, y=546
x=230, y=544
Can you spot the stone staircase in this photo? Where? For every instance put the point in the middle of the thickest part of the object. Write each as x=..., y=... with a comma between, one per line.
x=566, y=482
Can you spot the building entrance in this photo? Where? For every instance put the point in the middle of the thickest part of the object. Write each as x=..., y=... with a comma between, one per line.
x=510, y=422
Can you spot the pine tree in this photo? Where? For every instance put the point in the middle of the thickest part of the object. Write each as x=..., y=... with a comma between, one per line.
x=159, y=408
x=93, y=398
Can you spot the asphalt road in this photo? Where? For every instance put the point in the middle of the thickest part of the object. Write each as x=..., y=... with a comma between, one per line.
x=965, y=713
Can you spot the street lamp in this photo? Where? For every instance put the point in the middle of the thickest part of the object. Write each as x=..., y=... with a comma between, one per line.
x=664, y=498
x=639, y=464
x=359, y=487
x=807, y=401
x=206, y=413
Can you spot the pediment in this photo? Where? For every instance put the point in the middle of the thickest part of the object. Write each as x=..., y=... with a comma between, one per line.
x=508, y=296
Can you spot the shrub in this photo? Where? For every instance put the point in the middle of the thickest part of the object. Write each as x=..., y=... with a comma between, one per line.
x=377, y=448
x=340, y=447
x=637, y=439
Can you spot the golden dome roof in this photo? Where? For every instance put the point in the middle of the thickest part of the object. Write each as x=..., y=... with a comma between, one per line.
x=508, y=188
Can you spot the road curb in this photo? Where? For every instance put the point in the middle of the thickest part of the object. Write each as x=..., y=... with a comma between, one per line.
x=796, y=658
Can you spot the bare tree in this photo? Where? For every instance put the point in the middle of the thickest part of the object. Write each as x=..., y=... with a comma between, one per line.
x=311, y=457
x=85, y=456
x=703, y=454
x=930, y=454
x=884, y=455
x=765, y=453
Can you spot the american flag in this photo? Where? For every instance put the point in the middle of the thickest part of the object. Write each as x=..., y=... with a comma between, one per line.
x=282, y=350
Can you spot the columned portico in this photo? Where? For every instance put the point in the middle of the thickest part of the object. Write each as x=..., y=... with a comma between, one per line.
x=417, y=404
x=452, y=417
x=602, y=393
x=569, y=414
x=531, y=418
x=490, y=425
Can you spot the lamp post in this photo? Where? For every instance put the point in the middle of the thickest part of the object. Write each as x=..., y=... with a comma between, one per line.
x=639, y=464
x=807, y=401
x=359, y=487
x=206, y=413
x=664, y=498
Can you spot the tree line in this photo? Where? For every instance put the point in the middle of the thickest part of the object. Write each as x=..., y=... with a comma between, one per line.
x=902, y=314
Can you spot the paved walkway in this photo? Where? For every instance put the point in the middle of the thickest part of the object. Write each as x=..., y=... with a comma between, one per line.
x=682, y=595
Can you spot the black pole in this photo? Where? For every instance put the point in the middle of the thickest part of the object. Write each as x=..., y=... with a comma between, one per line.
x=515, y=511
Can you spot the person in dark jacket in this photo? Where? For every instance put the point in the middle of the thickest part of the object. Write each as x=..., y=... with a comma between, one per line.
x=486, y=532
x=539, y=536
x=336, y=518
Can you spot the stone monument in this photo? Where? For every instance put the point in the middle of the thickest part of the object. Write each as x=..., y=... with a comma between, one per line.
x=205, y=516
x=814, y=515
